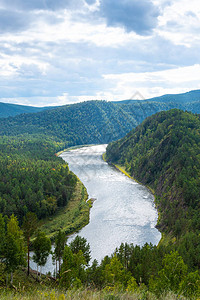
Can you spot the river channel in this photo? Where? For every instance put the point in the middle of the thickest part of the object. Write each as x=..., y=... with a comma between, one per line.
x=123, y=210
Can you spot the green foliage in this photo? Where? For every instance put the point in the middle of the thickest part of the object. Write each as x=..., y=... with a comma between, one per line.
x=71, y=124
x=41, y=248
x=163, y=153
x=171, y=275
x=60, y=241
x=72, y=269
x=8, y=109
x=14, y=251
x=80, y=244
x=115, y=274
x=29, y=226
x=190, y=286
x=32, y=178
x=2, y=236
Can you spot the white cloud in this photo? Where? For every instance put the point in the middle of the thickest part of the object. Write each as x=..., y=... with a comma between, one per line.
x=11, y=66
x=151, y=84
x=60, y=56
x=180, y=22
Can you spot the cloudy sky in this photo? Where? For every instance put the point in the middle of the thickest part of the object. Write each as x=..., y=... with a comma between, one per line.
x=54, y=52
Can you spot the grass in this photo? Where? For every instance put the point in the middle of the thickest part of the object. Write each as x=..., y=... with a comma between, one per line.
x=28, y=288
x=86, y=294
x=70, y=218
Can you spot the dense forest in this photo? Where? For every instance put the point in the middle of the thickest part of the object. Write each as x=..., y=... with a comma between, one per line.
x=11, y=110
x=163, y=153
x=186, y=101
x=94, y=122
x=32, y=177
x=131, y=272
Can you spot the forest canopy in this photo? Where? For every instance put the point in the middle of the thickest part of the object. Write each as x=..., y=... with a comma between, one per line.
x=163, y=153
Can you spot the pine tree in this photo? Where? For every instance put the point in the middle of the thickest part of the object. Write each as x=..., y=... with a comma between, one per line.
x=14, y=250
x=60, y=242
x=29, y=226
x=41, y=248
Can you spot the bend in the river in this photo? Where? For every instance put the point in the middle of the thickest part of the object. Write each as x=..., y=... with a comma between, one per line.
x=124, y=210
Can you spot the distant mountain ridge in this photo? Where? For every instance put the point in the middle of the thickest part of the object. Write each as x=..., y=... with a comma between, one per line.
x=11, y=110
x=187, y=97
x=94, y=122
x=191, y=96
x=188, y=101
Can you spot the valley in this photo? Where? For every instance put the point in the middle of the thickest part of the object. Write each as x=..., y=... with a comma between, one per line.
x=153, y=142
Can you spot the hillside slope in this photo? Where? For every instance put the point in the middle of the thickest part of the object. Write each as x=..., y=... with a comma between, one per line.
x=91, y=122
x=11, y=110
x=186, y=101
x=82, y=123
x=184, y=98
x=163, y=153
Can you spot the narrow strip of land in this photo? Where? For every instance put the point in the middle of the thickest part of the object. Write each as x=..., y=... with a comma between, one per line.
x=70, y=218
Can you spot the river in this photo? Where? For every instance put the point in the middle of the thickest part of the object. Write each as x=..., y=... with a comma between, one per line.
x=123, y=210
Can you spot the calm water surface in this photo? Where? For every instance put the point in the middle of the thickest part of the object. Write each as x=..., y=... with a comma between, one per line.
x=123, y=211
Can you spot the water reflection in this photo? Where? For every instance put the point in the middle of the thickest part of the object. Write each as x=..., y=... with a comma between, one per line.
x=124, y=210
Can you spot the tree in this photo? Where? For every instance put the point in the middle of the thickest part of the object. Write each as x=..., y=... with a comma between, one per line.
x=171, y=275
x=190, y=286
x=29, y=226
x=60, y=242
x=80, y=243
x=14, y=251
x=41, y=248
x=115, y=273
x=72, y=269
x=2, y=236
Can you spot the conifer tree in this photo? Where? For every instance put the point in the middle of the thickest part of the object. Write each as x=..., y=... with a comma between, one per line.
x=14, y=249
x=29, y=226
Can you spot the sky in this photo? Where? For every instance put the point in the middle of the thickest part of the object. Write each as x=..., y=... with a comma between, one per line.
x=57, y=52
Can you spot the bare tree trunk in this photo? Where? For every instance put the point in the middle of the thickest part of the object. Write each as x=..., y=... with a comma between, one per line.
x=59, y=265
x=11, y=278
x=28, y=242
x=56, y=268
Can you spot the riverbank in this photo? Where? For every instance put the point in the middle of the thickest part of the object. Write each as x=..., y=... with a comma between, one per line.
x=115, y=205
x=73, y=148
x=71, y=218
x=164, y=238
x=123, y=170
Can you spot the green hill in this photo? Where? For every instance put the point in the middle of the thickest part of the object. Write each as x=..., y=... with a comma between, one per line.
x=163, y=153
x=91, y=122
x=184, y=98
x=82, y=123
x=11, y=110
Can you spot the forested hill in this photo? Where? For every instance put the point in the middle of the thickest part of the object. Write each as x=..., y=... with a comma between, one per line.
x=8, y=109
x=187, y=101
x=163, y=153
x=184, y=98
x=84, y=123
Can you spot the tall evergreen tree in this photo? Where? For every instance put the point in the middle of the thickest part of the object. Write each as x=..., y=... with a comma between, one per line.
x=14, y=250
x=60, y=242
x=29, y=226
x=41, y=248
